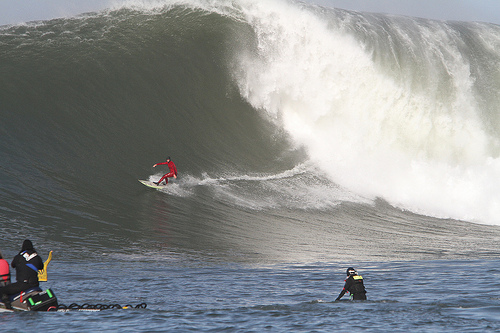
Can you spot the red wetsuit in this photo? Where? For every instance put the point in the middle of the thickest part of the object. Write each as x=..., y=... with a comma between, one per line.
x=172, y=173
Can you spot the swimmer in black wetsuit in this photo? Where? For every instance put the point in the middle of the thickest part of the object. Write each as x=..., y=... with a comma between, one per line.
x=354, y=285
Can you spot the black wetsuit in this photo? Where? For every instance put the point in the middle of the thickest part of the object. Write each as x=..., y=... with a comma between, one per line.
x=27, y=263
x=354, y=285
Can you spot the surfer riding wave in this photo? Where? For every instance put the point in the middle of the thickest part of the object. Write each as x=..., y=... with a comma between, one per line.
x=172, y=171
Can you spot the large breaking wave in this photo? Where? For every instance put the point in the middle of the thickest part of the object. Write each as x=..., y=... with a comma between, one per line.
x=273, y=104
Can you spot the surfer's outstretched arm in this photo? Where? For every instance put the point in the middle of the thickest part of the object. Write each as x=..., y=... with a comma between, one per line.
x=154, y=166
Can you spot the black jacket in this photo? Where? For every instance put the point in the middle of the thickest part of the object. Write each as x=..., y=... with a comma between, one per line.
x=27, y=263
x=354, y=285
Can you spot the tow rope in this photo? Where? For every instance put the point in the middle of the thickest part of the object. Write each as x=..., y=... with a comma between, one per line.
x=98, y=307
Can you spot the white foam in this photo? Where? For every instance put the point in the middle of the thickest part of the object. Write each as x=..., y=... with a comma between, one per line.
x=297, y=188
x=415, y=136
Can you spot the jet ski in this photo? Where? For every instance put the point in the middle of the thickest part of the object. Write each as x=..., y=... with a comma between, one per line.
x=33, y=299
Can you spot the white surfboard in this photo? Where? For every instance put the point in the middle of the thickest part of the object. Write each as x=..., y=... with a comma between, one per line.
x=151, y=184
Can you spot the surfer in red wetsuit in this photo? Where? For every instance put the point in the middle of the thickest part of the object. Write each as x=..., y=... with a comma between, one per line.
x=172, y=173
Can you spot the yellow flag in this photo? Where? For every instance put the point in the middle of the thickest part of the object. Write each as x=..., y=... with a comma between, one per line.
x=42, y=274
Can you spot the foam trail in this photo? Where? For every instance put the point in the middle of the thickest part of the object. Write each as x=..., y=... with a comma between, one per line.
x=299, y=188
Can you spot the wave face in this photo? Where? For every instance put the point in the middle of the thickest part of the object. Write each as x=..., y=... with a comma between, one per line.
x=275, y=111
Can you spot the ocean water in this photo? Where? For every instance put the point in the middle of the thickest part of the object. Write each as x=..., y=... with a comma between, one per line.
x=307, y=139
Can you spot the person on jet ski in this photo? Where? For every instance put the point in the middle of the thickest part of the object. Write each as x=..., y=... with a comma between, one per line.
x=27, y=263
x=354, y=285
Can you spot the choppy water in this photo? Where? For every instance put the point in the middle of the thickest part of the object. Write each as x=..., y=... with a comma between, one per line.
x=184, y=294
